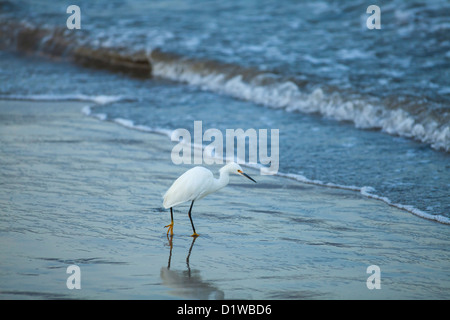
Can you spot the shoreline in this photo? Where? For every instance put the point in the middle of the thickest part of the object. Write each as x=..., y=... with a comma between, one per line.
x=233, y=80
x=79, y=190
x=366, y=191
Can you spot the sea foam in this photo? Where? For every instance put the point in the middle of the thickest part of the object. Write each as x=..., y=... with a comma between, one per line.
x=274, y=91
x=98, y=99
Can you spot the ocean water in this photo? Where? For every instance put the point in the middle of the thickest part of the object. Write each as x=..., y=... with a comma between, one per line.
x=84, y=192
x=365, y=110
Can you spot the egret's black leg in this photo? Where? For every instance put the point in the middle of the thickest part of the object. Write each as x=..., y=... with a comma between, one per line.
x=192, y=223
x=170, y=226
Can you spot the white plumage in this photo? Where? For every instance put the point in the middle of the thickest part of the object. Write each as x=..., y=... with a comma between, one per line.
x=195, y=184
x=191, y=185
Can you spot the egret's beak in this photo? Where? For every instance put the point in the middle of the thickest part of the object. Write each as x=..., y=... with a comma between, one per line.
x=246, y=175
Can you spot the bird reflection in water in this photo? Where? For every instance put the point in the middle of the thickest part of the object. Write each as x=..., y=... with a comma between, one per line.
x=188, y=284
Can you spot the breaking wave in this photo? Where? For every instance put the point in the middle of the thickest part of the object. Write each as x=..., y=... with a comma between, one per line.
x=275, y=91
x=406, y=118
x=366, y=191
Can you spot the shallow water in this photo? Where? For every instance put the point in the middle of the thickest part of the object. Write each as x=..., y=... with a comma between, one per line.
x=92, y=198
x=312, y=148
x=363, y=113
x=351, y=104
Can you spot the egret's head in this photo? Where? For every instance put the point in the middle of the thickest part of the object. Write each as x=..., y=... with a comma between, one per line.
x=233, y=167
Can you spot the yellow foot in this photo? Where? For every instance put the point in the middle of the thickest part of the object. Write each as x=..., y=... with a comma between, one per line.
x=170, y=226
x=195, y=235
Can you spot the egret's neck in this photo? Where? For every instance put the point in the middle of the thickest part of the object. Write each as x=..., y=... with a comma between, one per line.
x=222, y=181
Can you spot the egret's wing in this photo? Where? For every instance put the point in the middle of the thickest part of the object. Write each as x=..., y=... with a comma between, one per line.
x=188, y=186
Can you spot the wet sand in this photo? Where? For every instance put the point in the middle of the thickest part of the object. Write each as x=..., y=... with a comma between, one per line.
x=76, y=190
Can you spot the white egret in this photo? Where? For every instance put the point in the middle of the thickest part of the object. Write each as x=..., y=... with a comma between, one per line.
x=195, y=184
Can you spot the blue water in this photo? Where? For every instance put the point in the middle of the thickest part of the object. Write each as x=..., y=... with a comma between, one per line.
x=355, y=107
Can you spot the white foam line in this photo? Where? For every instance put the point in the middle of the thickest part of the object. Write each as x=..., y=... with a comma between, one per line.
x=98, y=99
x=86, y=110
x=365, y=191
x=280, y=93
x=125, y=122
x=444, y=220
x=130, y=124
